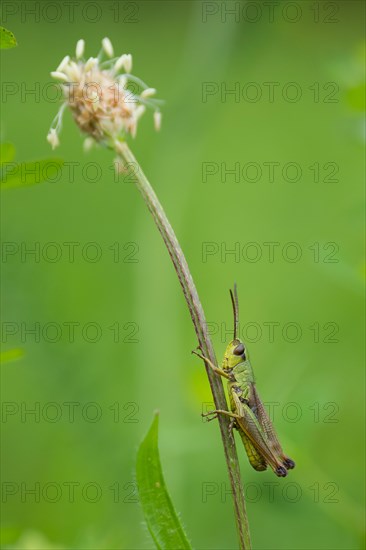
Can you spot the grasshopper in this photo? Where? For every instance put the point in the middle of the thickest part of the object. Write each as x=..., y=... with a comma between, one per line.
x=248, y=414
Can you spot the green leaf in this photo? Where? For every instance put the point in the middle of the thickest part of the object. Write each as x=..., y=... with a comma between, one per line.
x=7, y=39
x=160, y=515
x=24, y=174
x=7, y=152
x=356, y=97
x=11, y=355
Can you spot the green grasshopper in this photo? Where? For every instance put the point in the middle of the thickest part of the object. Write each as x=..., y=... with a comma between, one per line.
x=248, y=414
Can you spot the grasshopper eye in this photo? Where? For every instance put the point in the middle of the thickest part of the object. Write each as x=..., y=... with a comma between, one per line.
x=239, y=350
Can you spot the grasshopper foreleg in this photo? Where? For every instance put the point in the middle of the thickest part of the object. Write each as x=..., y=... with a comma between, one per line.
x=233, y=419
x=211, y=415
x=219, y=411
x=210, y=364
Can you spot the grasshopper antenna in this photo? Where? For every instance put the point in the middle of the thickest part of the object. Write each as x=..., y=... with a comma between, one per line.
x=235, y=302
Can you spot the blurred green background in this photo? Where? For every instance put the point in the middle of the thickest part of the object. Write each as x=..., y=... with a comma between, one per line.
x=315, y=383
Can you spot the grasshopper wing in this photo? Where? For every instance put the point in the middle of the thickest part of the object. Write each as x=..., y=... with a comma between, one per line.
x=251, y=427
x=269, y=430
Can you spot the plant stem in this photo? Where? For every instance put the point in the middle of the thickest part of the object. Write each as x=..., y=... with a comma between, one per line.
x=204, y=340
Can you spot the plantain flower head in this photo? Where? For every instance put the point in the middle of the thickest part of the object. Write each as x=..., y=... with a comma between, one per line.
x=105, y=99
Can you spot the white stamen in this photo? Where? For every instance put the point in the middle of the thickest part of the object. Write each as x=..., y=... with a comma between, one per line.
x=60, y=76
x=148, y=92
x=52, y=138
x=80, y=46
x=73, y=71
x=157, y=120
x=122, y=81
x=128, y=62
x=124, y=61
x=133, y=128
x=91, y=63
x=139, y=111
x=107, y=47
x=88, y=144
x=63, y=64
x=119, y=63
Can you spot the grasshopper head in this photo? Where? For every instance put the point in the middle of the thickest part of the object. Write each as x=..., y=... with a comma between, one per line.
x=236, y=351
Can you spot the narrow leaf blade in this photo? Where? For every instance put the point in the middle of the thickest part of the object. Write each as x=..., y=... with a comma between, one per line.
x=7, y=153
x=160, y=515
x=11, y=355
x=7, y=39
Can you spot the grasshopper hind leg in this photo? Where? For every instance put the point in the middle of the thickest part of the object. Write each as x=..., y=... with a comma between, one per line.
x=289, y=463
x=257, y=461
x=281, y=471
